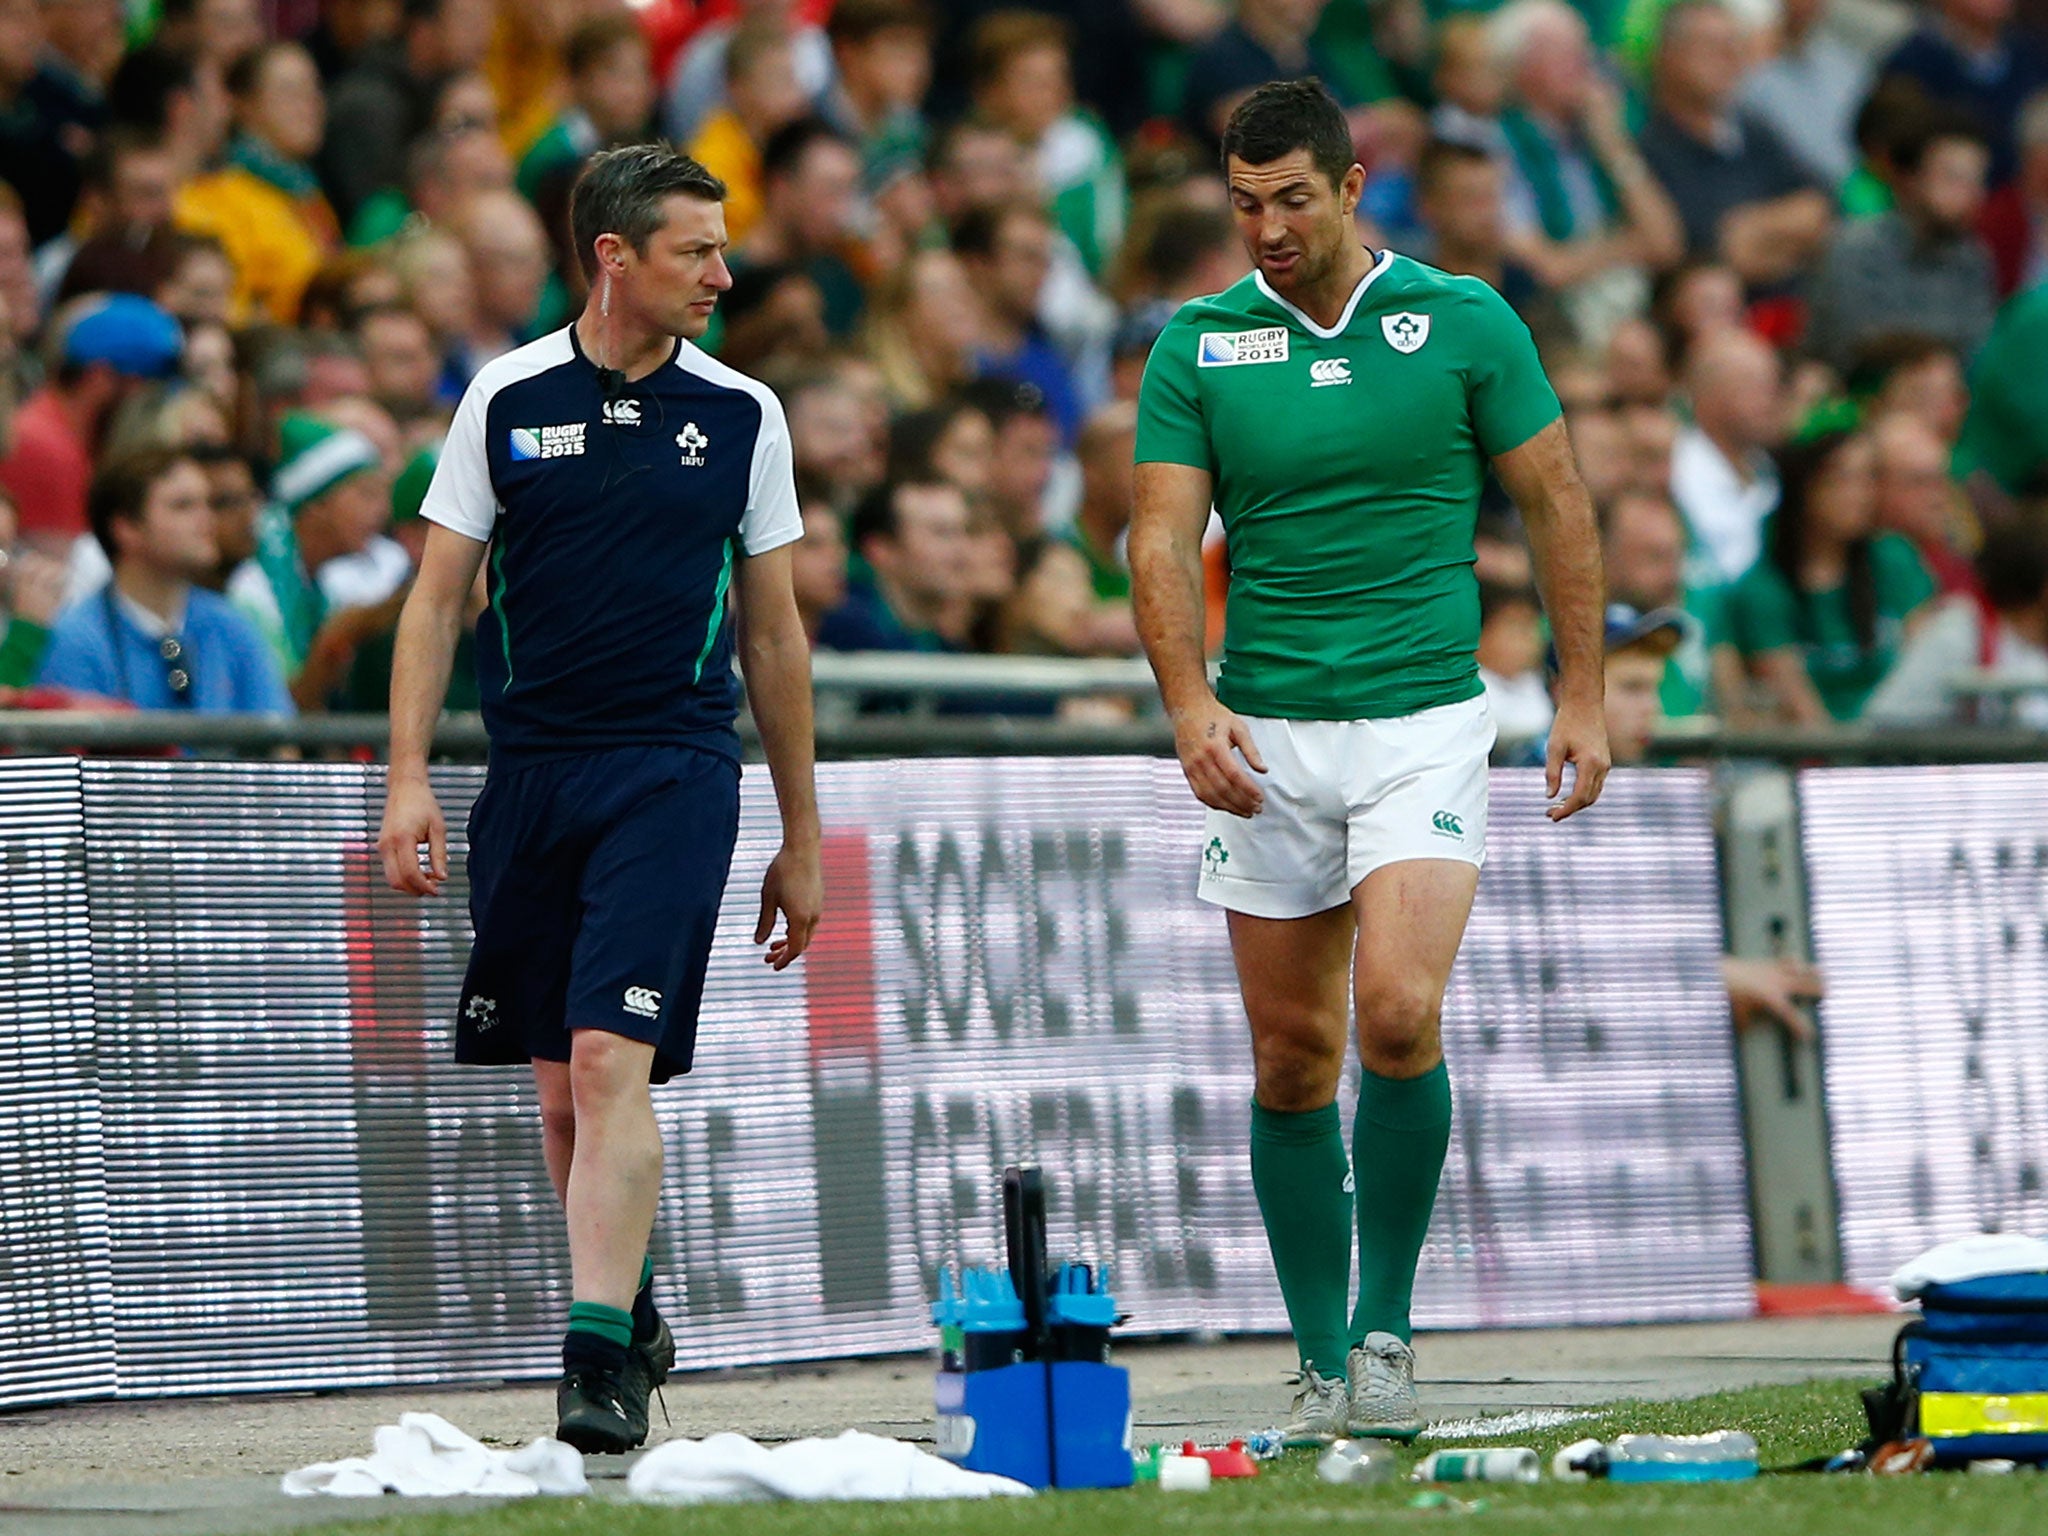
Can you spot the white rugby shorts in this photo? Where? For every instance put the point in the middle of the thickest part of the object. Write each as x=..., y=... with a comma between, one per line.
x=1347, y=797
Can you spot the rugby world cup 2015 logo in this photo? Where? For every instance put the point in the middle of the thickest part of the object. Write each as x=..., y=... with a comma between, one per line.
x=559, y=442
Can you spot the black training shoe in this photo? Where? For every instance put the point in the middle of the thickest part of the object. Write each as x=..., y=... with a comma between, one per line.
x=601, y=1413
x=656, y=1355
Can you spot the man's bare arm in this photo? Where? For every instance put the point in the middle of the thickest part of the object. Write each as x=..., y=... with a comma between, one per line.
x=1543, y=481
x=421, y=658
x=1165, y=545
x=1765, y=242
x=775, y=658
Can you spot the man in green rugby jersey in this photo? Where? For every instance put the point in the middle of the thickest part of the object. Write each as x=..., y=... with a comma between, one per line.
x=1339, y=408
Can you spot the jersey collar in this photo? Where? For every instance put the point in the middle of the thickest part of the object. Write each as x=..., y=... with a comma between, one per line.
x=1350, y=308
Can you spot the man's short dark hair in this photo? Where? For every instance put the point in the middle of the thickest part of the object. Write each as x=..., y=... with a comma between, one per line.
x=1889, y=353
x=1002, y=401
x=979, y=230
x=139, y=95
x=2013, y=564
x=622, y=192
x=592, y=41
x=854, y=22
x=1937, y=124
x=121, y=489
x=1440, y=157
x=1285, y=115
x=786, y=147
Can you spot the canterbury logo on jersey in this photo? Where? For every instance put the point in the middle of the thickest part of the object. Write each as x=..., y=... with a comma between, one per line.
x=565, y=441
x=622, y=413
x=1228, y=349
x=1329, y=370
x=643, y=1001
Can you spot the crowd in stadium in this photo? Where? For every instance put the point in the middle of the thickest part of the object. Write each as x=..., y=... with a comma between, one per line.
x=1786, y=260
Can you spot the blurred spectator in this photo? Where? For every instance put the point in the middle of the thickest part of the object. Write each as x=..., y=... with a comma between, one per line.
x=1696, y=298
x=1584, y=213
x=1188, y=251
x=1969, y=55
x=2001, y=634
x=1639, y=644
x=31, y=593
x=774, y=318
x=1023, y=83
x=1911, y=372
x=1740, y=193
x=1917, y=499
x=175, y=98
x=508, y=272
x=108, y=347
x=2016, y=218
x=1643, y=549
x=85, y=46
x=1511, y=661
x=1100, y=523
x=209, y=364
x=1021, y=456
x=1820, y=618
x=444, y=168
x=1006, y=254
x=403, y=365
x=152, y=636
x=235, y=498
x=913, y=538
x=21, y=307
x=329, y=497
x=1922, y=264
x=810, y=186
x=1459, y=195
x=1809, y=91
x=1721, y=473
x=697, y=86
x=265, y=205
x=762, y=98
x=923, y=330
x=818, y=562
x=346, y=28
x=1649, y=436
x=384, y=100
x=46, y=127
x=120, y=240
x=838, y=455
x=1638, y=364
x=434, y=269
x=200, y=289
x=1471, y=85
x=951, y=441
x=1890, y=116
x=611, y=96
x=1050, y=609
x=2006, y=432
x=218, y=30
x=1265, y=40
x=882, y=57
x=977, y=165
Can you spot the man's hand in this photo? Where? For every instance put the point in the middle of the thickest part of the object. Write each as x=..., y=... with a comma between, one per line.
x=1208, y=738
x=1772, y=989
x=412, y=816
x=1578, y=736
x=795, y=887
x=38, y=586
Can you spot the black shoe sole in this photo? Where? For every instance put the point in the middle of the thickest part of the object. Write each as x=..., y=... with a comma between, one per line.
x=597, y=1439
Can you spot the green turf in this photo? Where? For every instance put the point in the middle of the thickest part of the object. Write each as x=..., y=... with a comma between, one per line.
x=1790, y=1424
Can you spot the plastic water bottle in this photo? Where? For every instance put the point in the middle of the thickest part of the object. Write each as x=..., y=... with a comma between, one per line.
x=1357, y=1461
x=1496, y=1464
x=1726, y=1456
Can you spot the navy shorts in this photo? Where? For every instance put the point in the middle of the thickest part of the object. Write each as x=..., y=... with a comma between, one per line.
x=594, y=885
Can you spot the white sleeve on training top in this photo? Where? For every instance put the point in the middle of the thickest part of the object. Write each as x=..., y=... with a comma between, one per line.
x=772, y=518
x=460, y=496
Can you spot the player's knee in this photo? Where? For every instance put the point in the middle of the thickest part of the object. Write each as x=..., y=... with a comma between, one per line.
x=1398, y=1023
x=604, y=1069
x=1297, y=1065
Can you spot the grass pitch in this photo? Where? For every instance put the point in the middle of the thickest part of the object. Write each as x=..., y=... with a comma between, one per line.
x=1287, y=1499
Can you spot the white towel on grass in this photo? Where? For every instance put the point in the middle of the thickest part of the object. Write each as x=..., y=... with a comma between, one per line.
x=424, y=1456
x=854, y=1466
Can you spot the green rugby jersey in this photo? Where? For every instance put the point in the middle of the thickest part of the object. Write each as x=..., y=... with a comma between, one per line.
x=1347, y=465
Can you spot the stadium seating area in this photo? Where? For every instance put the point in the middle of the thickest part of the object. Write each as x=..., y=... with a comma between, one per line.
x=1787, y=261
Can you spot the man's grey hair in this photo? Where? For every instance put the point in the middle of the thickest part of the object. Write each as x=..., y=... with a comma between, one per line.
x=1510, y=30
x=621, y=192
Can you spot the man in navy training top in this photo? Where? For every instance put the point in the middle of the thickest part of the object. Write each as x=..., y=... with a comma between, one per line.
x=626, y=488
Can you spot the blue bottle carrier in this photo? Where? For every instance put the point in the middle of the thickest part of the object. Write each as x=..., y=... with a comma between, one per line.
x=1025, y=1389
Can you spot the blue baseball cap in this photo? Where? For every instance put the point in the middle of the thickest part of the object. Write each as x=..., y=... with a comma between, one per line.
x=128, y=333
x=1628, y=626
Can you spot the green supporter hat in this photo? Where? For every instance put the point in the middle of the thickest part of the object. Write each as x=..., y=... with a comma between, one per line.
x=409, y=490
x=315, y=456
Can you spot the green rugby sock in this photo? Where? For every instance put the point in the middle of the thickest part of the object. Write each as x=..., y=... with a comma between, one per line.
x=594, y=1317
x=1398, y=1143
x=1299, y=1174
